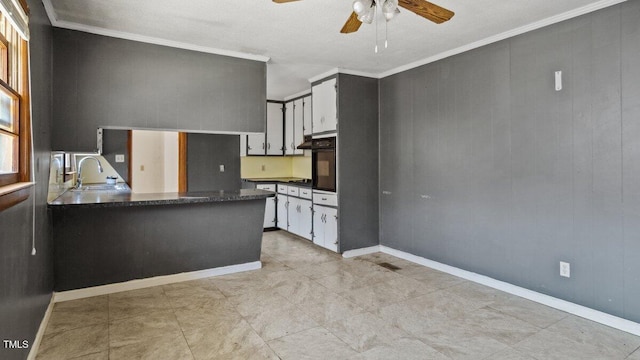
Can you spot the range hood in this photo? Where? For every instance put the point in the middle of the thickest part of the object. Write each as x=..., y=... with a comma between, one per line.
x=306, y=144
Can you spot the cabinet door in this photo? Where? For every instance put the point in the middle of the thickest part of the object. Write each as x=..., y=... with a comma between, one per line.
x=294, y=215
x=324, y=109
x=331, y=112
x=270, y=213
x=306, y=219
x=298, y=119
x=331, y=229
x=275, y=126
x=243, y=145
x=318, y=226
x=318, y=97
x=306, y=116
x=270, y=206
x=288, y=129
x=255, y=144
x=281, y=209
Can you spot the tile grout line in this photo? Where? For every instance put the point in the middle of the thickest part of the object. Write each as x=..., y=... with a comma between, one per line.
x=173, y=311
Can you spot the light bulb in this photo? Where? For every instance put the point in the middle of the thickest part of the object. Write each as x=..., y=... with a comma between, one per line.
x=389, y=16
x=360, y=7
x=389, y=6
x=368, y=16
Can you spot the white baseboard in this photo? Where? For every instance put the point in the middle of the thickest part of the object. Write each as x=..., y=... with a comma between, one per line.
x=566, y=306
x=33, y=350
x=154, y=281
x=359, y=252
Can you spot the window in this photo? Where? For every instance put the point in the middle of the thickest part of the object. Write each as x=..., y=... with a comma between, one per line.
x=15, y=119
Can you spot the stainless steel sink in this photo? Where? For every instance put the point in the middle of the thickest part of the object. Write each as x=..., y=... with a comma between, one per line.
x=102, y=187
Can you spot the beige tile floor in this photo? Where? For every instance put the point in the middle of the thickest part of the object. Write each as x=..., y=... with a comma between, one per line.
x=308, y=303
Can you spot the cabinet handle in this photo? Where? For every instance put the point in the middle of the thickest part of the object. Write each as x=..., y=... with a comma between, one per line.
x=386, y=192
x=249, y=147
x=269, y=146
x=336, y=242
x=286, y=204
x=262, y=146
x=336, y=216
x=325, y=199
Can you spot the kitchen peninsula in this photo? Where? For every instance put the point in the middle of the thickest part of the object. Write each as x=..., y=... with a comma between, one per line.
x=105, y=237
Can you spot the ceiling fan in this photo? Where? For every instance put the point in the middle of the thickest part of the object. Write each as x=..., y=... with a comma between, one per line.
x=364, y=11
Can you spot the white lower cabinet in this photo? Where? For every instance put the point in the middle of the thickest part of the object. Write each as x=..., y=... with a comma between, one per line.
x=270, y=206
x=282, y=211
x=325, y=227
x=300, y=218
x=294, y=213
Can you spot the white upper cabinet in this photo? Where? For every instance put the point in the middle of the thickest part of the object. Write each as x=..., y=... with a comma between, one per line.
x=275, y=125
x=255, y=144
x=325, y=112
x=298, y=123
x=306, y=123
x=289, y=146
x=243, y=145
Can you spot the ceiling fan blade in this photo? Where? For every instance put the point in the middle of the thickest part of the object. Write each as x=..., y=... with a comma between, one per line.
x=427, y=10
x=352, y=24
x=282, y=1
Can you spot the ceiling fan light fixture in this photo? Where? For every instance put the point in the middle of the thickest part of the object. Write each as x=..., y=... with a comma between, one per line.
x=368, y=16
x=389, y=6
x=389, y=16
x=361, y=7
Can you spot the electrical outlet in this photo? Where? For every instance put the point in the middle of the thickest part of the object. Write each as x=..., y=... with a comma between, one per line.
x=221, y=168
x=119, y=158
x=565, y=269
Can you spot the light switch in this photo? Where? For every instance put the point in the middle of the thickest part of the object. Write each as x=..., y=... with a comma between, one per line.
x=221, y=168
x=141, y=167
x=558, y=79
x=120, y=158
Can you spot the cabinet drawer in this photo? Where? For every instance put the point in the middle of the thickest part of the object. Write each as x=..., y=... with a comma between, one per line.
x=305, y=193
x=268, y=187
x=282, y=189
x=293, y=191
x=325, y=199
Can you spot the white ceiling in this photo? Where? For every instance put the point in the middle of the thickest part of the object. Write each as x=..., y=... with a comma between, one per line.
x=302, y=39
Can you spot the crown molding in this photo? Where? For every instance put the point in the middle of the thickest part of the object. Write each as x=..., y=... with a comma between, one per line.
x=145, y=39
x=342, y=71
x=298, y=94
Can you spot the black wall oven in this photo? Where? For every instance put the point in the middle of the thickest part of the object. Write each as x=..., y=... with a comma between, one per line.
x=324, y=164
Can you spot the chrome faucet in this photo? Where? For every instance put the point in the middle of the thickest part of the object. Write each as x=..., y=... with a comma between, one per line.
x=79, y=182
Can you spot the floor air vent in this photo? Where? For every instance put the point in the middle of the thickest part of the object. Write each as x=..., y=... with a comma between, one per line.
x=389, y=266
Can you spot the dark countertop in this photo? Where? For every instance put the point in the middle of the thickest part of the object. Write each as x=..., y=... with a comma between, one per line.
x=282, y=180
x=101, y=198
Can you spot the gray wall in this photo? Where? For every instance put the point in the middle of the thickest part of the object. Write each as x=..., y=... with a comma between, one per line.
x=357, y=161
x=26, y=281
x=147, y=241
x=205, y=153
x=493, y=171
x=102, y=81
